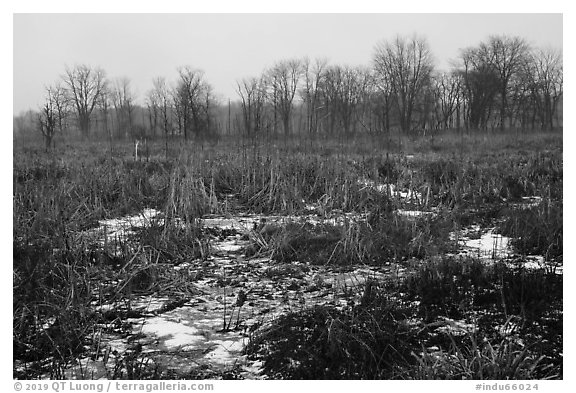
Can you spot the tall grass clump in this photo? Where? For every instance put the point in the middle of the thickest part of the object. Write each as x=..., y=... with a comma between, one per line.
x=482, y=360
x=501, y=301
x=274, y=182
x=536, y=230
x=454, y=287
x=384, y=238
x=485, y=178
x=52, y=295
x=393, y=330
x=59, y=273
x=366, y=341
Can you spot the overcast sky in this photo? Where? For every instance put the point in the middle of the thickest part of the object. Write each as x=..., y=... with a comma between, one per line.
x=228, y=47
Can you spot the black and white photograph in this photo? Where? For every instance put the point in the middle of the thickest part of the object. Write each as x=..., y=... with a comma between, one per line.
x=287, y=196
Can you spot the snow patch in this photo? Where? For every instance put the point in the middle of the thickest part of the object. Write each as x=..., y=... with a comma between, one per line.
x=171, y=334
x=392, y=190
x=414, y=213
x=482, y=243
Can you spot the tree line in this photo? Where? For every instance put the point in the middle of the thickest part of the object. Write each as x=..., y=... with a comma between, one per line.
x=500, y=83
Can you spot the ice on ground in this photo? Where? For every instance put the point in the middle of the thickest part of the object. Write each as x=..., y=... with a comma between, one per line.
x=118, y=229
x=143, y=304
x=310, y=207
x=138, y=220
x=489, y=245
x=536, y=262
x=227, y=223
x=352, y=280
x=528, y=202
x=391, y=189
x=193, y=334
x=367, y=183
x=413, y=213
x=483, y=243
x=532, y=199
x=229, y=246
x=241, y=224
x=254, y=369
x=171, y=334
x=530, y=262
x=224, y=351
x=455, y=327
x=150, y=304
x=87, y=369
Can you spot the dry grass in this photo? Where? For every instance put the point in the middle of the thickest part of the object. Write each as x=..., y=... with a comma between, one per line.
x=58, y=276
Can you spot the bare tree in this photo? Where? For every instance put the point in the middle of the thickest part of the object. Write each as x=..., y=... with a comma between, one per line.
x=104, y=103
x=210, y=131
x=160, y=96
x=507, y=56
x=446, y=97
x=407, y=64
x=367, y=106
x=344, y=89
x=522, y=108
x=192, y=97
x=479, y=88
x=383, y=99
x=62, y=105
x=284, y=78
x=84, y=87
x=123, y=101
x=311, y=91
x=188, y=91
x=424, y=108
x=252, y=93
x=153, y=109
x=178, y=110
x=48, y=118
x=247, y=90
x=547, y=83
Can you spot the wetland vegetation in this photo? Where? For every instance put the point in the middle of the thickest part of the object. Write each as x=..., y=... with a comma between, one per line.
x=430, y=257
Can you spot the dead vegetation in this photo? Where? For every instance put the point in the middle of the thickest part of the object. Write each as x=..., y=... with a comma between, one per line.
x=316, y=216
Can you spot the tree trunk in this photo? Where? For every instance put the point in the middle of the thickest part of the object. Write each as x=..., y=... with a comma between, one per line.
x=84, y=123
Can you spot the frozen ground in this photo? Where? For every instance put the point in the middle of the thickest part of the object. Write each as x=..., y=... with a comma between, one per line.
x=237, y=295
x=482, y=243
